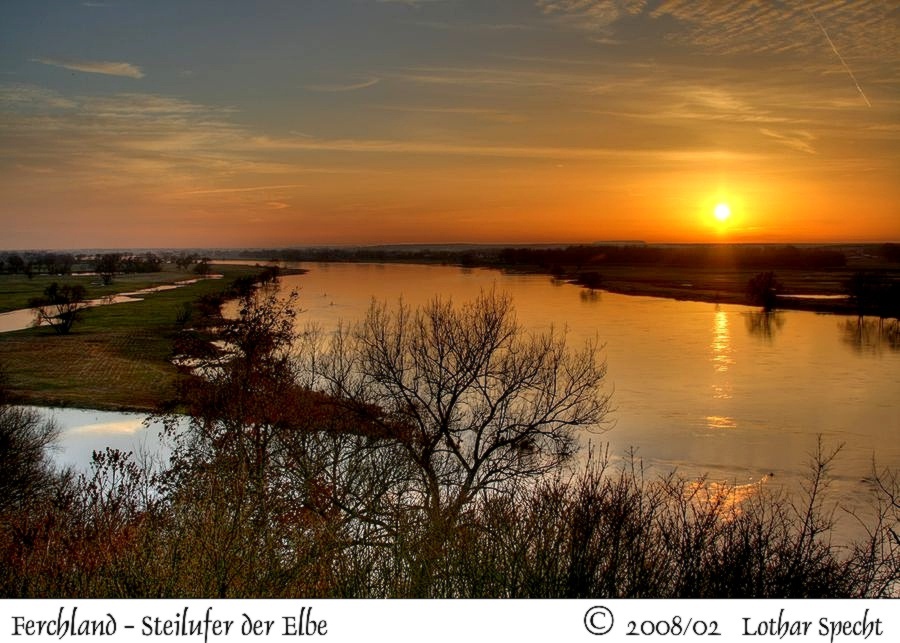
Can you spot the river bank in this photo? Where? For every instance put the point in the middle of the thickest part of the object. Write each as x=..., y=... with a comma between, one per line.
x=119, y=358
x=821, y=292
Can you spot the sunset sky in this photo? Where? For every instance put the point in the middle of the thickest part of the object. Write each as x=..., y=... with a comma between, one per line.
x=130, y=123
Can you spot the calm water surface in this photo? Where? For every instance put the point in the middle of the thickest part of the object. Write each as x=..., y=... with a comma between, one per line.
x=713, y=390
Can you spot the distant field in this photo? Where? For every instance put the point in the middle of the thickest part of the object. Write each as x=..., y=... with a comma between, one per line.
x=118, y=357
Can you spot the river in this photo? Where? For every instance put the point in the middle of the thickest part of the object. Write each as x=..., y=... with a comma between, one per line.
x=713, y=390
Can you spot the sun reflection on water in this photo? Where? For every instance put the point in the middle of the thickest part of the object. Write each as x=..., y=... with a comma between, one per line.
x=721, y=344
x=722, y=357
x=720, y=422
x=723, y=499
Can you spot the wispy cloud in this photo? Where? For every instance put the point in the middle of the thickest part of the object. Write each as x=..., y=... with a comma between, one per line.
x=107, y=68
x=343, y=88
x=29, y=95
x=500, y=77
x=796, y=140
x=473, y=26
x=138, y=104
x=592, y=14
x=148, y=144
x=866, y=30
x=125, y=139
x=488, y=114
x=409, y=3
x=433, y=147
x=255, y=188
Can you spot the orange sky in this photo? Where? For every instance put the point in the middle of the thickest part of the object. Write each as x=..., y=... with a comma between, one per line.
x=363, y=121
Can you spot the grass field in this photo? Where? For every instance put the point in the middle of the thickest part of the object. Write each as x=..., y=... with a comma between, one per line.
x=16, y=290
x=117, y=358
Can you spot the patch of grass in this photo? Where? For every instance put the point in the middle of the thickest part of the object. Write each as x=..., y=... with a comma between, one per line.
x=118, y=357
x=88, y=370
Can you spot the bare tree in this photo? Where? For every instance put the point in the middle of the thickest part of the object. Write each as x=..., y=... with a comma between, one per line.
x=25, y=437
x=107, y=265
x=476, y=403
x=60, y=307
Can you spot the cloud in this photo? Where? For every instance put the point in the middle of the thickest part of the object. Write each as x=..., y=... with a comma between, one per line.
x=343, y=88
x=592, y=14
x=444, y=148
x=498, y=78
x=472, y=26
x=13, y=96
x=409, y=3
x=863, y=29
x=138, y=104
x=126, y=139
x=255, y=188
x=494, y=115
x=799, y=140
x=159, y=147
x=866, y=30
x=95, y=67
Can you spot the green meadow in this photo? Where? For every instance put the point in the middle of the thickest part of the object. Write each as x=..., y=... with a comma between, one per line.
x=117, y=357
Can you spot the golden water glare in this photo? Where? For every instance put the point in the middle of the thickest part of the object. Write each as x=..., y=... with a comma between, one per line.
x=722, y=359
x=724, y=499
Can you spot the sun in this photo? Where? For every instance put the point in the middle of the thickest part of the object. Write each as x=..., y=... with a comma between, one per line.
x=722, y=212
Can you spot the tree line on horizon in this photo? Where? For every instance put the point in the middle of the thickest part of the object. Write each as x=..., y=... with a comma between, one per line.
x=701, y=256
x=739, y=256
x=31, y=264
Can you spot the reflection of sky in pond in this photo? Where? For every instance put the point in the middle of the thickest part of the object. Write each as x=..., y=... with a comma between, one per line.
x=83, y=431
x=127, y=427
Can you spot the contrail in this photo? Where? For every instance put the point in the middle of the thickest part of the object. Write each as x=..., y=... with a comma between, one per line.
x=841, y=58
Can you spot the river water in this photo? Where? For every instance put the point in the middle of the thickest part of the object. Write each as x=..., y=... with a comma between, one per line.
x=720, y=391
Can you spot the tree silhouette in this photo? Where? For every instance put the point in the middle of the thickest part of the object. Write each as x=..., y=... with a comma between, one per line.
x=763, y=290
x=107, y=265
x=473, y=402
x=60, y=307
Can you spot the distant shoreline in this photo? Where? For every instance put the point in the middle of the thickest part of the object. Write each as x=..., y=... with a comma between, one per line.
x=681, y=284
x=812, y=278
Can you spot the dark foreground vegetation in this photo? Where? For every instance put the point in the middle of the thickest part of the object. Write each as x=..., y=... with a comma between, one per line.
x=422, y=453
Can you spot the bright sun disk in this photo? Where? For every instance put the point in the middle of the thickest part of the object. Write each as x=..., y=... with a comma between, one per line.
x=722, y=212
